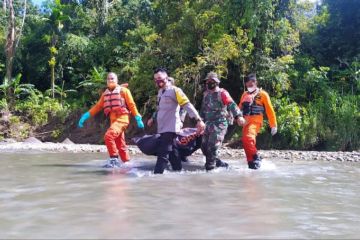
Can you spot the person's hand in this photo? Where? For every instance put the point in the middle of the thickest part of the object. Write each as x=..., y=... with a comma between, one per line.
x=150, y=122
x=273, y=131
x=241, y=121
x=139, y=122
x=200, y=127
x=83, y=118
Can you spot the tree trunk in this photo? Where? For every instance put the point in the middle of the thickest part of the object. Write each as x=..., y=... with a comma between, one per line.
x=53, y=81
x=10, y=53
x=4, y=5
x=10, y=42
x=21, y=26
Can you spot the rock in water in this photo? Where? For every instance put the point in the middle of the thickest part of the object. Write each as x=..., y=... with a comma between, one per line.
x=67, y=141
x=32, y=140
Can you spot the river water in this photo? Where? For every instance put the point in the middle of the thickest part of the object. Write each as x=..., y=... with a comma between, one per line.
x=67, y=195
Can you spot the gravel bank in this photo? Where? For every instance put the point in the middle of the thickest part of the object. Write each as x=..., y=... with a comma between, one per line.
x=35, y=145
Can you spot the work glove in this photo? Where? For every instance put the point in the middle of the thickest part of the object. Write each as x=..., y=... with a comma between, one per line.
x=273, y=131
x=139, y=122
x=83, y=118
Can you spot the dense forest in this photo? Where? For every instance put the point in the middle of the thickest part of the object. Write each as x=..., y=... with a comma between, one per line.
x=306, y=55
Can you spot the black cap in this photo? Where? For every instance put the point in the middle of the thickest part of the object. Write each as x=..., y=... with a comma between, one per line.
x=251, y=76
x=160, y=69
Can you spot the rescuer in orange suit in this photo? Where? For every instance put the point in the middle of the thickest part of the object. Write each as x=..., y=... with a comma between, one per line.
x=254, y=103
x=117, y=103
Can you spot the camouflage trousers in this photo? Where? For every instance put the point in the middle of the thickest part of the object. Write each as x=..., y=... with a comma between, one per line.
x=212, y=140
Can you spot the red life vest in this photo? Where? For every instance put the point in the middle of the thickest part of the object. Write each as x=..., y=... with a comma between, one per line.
x=115, y=102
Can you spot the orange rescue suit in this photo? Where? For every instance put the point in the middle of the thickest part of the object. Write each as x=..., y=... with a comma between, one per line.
x=253, y=106
x=117, y=104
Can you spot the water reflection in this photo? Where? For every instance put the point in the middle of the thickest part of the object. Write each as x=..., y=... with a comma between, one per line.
x=46, y=195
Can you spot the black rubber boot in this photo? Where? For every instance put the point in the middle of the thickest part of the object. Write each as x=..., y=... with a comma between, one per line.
x=209, y=167
x=255, y=163
x=222, y=164
x=210, y=164
x=184, y=159
x=175, y=161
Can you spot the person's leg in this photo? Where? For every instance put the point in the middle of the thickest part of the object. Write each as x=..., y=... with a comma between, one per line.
x=114, y=131
x=165, y=147
x=250, y=132
x=205, y=144
x=216, y=142
x=215, y=133
x=175, y=159
x=122, y=147
x=183, y=158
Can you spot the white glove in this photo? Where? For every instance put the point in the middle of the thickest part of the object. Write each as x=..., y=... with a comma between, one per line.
x=273, y=131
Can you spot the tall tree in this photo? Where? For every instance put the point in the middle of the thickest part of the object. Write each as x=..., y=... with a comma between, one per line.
x=10, y=41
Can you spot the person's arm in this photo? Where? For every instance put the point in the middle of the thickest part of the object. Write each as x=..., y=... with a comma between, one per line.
x=231, y=105
x=269, y=109
x=93, y=111
x=97, y=107
x=184, y=102
x=240, y=103
x=182, y=114
x=154, y=115
x=202, y=110
x=132, y=107
x=130, y=102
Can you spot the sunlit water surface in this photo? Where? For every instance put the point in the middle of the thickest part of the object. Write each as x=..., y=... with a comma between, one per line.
x=67, y=195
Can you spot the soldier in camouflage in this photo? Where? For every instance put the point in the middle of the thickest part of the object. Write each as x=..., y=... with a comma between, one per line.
x=217, y=110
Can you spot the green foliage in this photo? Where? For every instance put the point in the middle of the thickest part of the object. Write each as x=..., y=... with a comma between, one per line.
x=296, y=126
x=338, y=120
x=17, y=128
x=305, y=55
x=56, y=133
x=94, y=82
x=38, y=108
x=15, y=88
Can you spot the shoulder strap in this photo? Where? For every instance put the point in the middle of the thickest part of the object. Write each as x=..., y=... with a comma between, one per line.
x=118, y=89
x=107, y=92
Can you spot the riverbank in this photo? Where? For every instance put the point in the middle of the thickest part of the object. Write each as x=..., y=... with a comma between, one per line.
x=33, y=144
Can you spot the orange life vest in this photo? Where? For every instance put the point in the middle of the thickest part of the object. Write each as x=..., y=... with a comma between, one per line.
x=251, y=103
x=115, y=102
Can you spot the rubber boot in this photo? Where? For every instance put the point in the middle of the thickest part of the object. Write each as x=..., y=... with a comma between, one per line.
x=222, y=164
x=210, y=164
x=184, y=159
x=255, y=163
x=112, y=162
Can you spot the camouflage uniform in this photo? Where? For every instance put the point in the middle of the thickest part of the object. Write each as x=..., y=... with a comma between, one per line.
x=215, y=113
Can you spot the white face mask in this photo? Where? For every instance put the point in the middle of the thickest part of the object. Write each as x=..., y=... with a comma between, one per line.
x=251, y=89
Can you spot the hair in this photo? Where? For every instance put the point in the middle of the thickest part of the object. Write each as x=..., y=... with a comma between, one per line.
x=160, y=69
